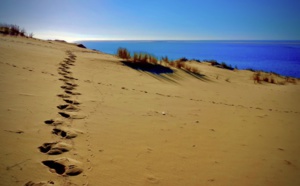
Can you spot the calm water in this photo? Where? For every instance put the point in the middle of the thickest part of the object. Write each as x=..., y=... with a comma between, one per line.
x=282, y=57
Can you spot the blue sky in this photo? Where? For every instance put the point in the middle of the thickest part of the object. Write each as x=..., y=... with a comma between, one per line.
x=156, y=19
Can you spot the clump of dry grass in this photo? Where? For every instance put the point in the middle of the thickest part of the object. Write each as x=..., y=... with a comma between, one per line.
x=153, y=59
x=165, y=59
x=123, y=53
x=137, y=57
x=220, y=65
x=184, y=64
x=257, y=77
x=291, y=80
x=192, y=69
x=14, y=30
x=144, y=58
x=273, y=78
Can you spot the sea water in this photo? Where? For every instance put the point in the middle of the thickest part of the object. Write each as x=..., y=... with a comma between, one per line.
x=282, y=57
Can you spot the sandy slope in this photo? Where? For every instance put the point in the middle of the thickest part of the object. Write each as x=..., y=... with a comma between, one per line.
x=134, y=128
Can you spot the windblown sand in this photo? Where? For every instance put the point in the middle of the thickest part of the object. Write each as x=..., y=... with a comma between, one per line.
x=73, y=116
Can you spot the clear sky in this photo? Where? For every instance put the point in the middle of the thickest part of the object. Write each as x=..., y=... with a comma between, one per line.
x=155, y=19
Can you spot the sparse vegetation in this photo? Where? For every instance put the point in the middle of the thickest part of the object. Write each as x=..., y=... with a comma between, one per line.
x=256, y=77
x=14, y=30
x=165, y=59
x=273, y=78
x=183, y=59
x=142, y=59
x=220, y=65
x=123, y=53
x=147, y=61
x=137, y=57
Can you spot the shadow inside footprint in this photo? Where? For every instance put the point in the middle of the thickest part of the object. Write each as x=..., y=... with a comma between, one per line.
x=53, y=122
x=62, y=73
x=62, y=79
x=68, y=107
x=66, y=71
x=65, y=133
x=71, y=84
x=71, y=115
x=72, y=93
x=74, y=102
x=59, y=132
x=64, y=166
x=69, y=77
x=54, y=148
x=65, y=115
x=67, y=87
x=61, y=107
x=63, y=96
x=70, y=63
x=59, y=168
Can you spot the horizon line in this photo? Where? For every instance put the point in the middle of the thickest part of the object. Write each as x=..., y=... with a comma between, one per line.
x=188, y=40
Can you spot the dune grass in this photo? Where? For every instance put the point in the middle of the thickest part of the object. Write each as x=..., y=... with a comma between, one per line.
x=260, y=77
x=123, y=53
x=14, y=30
x=142, y=60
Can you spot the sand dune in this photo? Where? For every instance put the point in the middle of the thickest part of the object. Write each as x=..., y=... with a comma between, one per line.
x=73, y=116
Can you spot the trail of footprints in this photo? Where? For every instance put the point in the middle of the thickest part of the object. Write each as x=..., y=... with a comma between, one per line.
x=62, y=126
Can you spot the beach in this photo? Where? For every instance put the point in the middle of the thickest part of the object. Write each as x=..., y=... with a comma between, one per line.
x=75, y=116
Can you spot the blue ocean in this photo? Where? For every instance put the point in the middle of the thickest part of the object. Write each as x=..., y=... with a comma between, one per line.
x=282, y=57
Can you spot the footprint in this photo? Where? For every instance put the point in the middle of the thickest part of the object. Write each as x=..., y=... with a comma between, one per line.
x=71, y=115
x=66, y=71
x=65, y=66
x=70, y=58
x=64, y=166
x=62, y=79
x=70, y=63
x=71, y=84
x=69, y=77
x=65, y=132
x=74, y=102
x=65, y=115
x=55, y=148
x=66, y=87
x=68, y=107
x=43, y=183
x=54, y=122
x=63, y=95
x=72, y=93
x=62, y=73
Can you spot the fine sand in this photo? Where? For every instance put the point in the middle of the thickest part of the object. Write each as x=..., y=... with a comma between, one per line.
x=73, y=116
